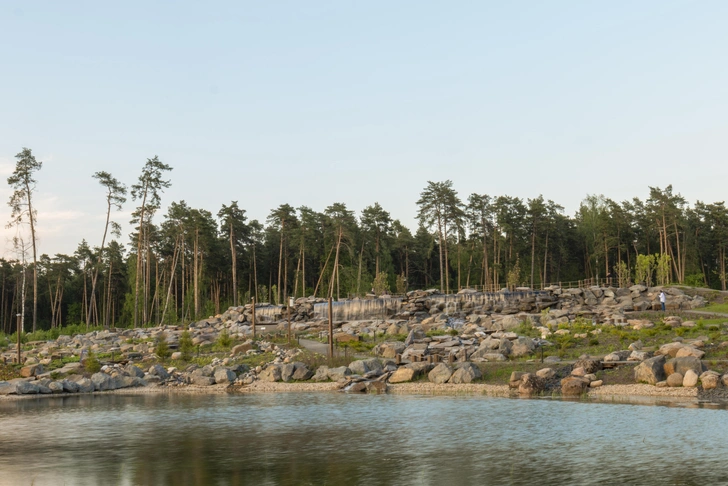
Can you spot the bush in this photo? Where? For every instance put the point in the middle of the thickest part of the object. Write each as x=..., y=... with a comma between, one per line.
x=91, y=363
x=224, y=340
x=161, y=349
x=185, y=346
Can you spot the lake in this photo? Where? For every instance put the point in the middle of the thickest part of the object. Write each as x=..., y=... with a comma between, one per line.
x=340, y=439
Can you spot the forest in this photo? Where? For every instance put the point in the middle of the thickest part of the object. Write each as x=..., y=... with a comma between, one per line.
x=190, y=263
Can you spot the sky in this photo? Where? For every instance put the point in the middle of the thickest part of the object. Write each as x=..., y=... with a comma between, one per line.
x=316, y=102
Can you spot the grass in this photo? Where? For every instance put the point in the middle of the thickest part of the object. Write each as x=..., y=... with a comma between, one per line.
x=719, y=308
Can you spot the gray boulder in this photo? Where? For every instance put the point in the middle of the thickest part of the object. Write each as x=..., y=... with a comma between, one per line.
x=523, y=346
x=651, y=370
x=158, y=370
x=322, y=374
x=56, y=387
x=466, y=373
x=440, y=373
x=340, y=373
x=85, y=385
x=26, y=388
x=530, y=384
x=6, y=388
x=199, y=378
x=287, y=371
x=101, y=381
x=302, y=372
x=133, y=370
x=224, y=376
x=272, y=374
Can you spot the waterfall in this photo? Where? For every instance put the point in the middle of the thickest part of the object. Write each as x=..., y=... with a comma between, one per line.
x=353, y=310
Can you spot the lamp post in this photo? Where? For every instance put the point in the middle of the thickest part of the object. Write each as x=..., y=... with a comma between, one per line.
x=253, y=304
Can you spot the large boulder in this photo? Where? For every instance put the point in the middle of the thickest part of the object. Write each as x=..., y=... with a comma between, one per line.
x=302, y=372
x=70, y=386
x=440, y=373
x=101, y=381
x=710, y=380
x=675, y=380
x=224, y=376
x=134, y=371
x=650, y=370
x=339, y=374
x=271, y=373
x=574, y=385
x=530, y=384
x=465, y=373
x=403, y=374
x=158, y=370
x=690, y=351
x=6, y=388
x=26, y=388
x=682, y=365
x=523, y=346
x=85, y=385
x=31, y=370
x=589, y=365
x=322, y=374
x=690, y=379
x=287, y=371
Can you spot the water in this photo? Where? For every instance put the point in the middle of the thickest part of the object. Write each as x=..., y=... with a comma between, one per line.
x=338, y=439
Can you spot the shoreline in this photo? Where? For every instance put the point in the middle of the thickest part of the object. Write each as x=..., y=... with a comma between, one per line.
x=628, y=394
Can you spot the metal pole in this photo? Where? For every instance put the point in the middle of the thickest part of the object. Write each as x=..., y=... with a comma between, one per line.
x=253, y=300
x=331, y=329
x=19, y=331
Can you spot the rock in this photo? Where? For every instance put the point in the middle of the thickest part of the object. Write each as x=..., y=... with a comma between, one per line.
x=546, y=373
x=287, y=371
x=322, y=374
x=596, y=384
x=241, y=348
x=56, y=387
x=515, y=380
x=158, y=370
x=134, y=371
x=101, y=381
x=6, y=388
x=402, y=375
x=651, y=370
x=681, y=365
x=26, y=388
x=440, y=373
x=690, y=379
x=690, y=351
x=359, y=367
x=617, y=356
x=530, y=385
x=573, y=386
x=465, y=373
x=376, y=387
x=198, y=378
x=70, y=386
x=675, y=380
x=340, y=373
x=345, y=337
x=302, y=372
x=523, y=346
x=389, y=349
x=31, y=370
x=589, y=365
x=709, y=380
x=85, y=385
x=578, y=371
x=224, y=376
x=271, y=373
x=639, y=356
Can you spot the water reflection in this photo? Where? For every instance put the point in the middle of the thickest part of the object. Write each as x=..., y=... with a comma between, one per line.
x=336, y=439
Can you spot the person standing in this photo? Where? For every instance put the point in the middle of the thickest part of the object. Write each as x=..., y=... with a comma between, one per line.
x=663, y=299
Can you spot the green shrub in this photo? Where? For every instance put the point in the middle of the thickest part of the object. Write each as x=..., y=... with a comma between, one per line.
x=594, y=342
x=224, y=340
x=161, y=349
x=185, y=346
x=91, y=363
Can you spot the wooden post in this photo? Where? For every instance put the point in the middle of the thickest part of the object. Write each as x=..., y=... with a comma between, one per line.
x=253, y=300
x=289, y=321
x=19, y=331
x=331, y=329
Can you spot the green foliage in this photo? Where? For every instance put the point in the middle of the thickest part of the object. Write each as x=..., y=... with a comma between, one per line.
x=161, y=348
x=514, y=275
x=594, y=342
x=401, y=284
x=663, y=268
x=695, y=280
x=91, y=363
x=185, y=346
x=380, y=284
x=224, y=340
x=622, y=271
x=644, y=269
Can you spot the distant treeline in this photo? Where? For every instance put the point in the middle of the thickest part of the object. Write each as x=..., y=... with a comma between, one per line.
x=190, y=262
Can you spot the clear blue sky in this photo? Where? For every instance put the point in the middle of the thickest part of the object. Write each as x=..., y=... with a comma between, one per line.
x=313, y=102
